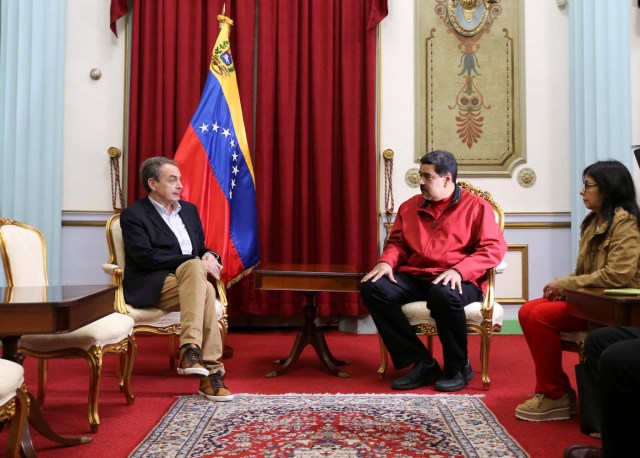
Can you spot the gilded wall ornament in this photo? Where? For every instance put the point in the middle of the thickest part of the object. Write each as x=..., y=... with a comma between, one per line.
x=468, y=16
x=526, y=177
x=412, y=177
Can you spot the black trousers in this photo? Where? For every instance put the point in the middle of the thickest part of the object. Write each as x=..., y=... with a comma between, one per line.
x=613, y=358
x=385, y=299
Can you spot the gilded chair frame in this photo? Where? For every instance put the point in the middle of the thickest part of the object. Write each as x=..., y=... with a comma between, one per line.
x=115, y=269
x=15, y=411
x=126, y=347
x=486, y=327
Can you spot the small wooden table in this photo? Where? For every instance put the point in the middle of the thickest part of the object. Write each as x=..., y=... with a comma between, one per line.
x=309, y=279
x=49, y=310
x=595, y=306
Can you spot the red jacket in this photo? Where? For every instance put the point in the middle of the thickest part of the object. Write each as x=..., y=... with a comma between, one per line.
x=464, y=236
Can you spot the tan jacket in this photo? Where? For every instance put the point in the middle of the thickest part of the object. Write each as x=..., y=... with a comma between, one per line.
x=610, y=260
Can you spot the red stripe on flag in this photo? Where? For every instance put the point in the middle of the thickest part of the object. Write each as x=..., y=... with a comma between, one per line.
x=202, y=189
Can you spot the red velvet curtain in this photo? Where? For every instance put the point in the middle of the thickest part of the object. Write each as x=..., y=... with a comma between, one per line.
x=315, y=104
x=315, y=141
x=171, y=43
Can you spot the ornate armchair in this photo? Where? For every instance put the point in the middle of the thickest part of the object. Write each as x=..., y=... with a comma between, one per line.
x=484, y=318
x=14, y=404
x=24, y=256
x=151, y=320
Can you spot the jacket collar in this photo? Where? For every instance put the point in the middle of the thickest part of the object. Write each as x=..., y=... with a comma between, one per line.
x=457, y=192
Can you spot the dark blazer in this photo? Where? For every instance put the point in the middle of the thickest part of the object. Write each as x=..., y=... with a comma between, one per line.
x=152, y=250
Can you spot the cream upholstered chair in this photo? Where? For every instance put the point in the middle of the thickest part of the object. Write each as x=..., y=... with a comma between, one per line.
x=24, y=258
x=152, y=320
x=484, y=317
x=14, y=404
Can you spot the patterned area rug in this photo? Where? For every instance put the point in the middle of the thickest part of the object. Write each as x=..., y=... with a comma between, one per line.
x=306, y=425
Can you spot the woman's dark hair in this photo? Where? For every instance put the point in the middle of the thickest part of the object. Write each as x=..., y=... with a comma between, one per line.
x=443, y=161
x=616, y=188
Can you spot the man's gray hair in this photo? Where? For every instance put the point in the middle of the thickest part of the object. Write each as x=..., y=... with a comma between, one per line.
x=151, y=169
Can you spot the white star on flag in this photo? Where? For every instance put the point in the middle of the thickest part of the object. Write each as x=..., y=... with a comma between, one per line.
x=204, y=127
x=225, y=132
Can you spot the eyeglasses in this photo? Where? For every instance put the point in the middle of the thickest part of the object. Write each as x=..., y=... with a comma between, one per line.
x=586, y=185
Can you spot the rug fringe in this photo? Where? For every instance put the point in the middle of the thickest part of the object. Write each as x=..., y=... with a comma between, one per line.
x=441, y=395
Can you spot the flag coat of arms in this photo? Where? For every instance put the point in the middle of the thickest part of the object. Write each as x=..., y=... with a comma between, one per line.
x=216, y=167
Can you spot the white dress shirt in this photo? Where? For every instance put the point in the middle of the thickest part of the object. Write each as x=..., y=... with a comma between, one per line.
x=176, y=225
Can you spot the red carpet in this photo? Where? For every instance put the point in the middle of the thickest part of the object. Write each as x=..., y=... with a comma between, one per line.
x=156, y=387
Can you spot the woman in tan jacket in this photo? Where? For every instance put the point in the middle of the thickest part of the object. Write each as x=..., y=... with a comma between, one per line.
x=609, y=257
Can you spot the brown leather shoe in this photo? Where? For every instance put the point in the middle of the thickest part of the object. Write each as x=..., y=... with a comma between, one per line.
x=583, y=451
x=190, y=361
x=213, y=388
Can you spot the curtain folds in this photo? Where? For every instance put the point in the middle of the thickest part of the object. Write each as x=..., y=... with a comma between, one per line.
x=312, y=65
x=32, y=77
x=171, y=44
x=315, y=137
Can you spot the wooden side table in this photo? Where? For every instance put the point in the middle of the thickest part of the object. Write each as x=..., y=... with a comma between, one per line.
x=595, y=306
x=44, y=310
x=309, y=279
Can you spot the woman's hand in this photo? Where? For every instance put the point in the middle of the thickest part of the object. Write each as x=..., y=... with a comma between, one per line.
x=552, y=291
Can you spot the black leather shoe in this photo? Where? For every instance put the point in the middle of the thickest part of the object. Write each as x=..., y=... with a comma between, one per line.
x=457, y=382
x=421, y=374
x=468, y=372
x=583, y=451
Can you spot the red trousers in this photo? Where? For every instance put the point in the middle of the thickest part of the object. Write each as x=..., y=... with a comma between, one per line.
x=542, y=321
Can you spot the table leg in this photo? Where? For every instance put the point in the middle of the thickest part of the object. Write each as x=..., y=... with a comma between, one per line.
x=37, y=420
x=10, y=349
x=310, y=334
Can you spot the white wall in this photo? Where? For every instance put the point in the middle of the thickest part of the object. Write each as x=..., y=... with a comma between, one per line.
x=546, y=43
x=94, y=121
x=93, y=109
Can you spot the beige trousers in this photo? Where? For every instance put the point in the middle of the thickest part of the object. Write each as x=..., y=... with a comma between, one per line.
x=189, y=291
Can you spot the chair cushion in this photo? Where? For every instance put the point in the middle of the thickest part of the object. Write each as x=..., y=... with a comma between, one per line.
x=12, y=379
x=107, y=330
x=152, y=316
x=418, y=313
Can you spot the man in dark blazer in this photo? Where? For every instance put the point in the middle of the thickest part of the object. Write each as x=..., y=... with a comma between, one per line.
x=167, y=265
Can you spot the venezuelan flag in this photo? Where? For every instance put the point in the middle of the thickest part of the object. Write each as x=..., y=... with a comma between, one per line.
x=216, y=167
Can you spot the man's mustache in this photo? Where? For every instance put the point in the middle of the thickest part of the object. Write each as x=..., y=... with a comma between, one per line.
x=423, y=188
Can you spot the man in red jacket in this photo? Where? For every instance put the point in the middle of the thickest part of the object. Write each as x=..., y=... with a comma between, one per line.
x=441, y=244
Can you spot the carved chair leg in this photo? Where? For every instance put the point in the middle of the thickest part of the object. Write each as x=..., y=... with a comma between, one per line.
x=95, y=371
x=172, y=351
x=485, y=343
x=18, y=423
x=130, y=356
x=383, y=358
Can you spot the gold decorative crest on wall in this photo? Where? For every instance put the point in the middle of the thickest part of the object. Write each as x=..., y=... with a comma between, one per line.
x=470, y=83
x=526, y=177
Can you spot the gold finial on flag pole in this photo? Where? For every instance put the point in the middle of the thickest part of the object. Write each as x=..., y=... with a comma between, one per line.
x=220, y=20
